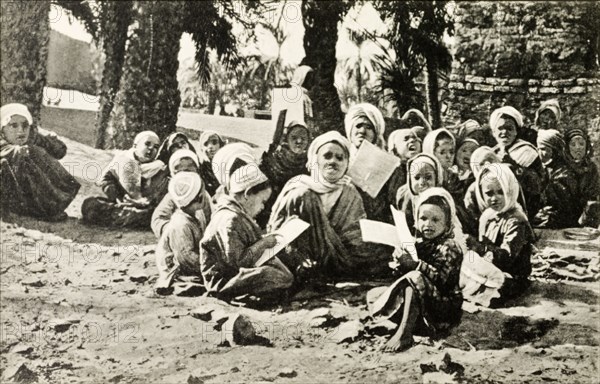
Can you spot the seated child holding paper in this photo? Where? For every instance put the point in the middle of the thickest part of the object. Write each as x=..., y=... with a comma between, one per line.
x=505, y=236
x=427, y=296
x=233, y=242
x=283, y=161
x=183, y=160
x=405, y=144
x=32, y=180
x=424, y=172
x=177, y=252
x=331, y=204
x=365, y=122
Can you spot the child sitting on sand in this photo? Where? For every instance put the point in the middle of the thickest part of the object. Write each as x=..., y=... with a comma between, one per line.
x=427, y=294
x=232, y=243
x=183, y=160
x=505, y=236
x=177, y=252
x=33, y=182
x=134, y=182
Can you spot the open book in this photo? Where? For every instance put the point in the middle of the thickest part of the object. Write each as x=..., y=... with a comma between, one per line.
x=397, y=235
x=288, y=232
x=371, y=168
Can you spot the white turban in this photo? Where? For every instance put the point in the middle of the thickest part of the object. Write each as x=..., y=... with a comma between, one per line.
x=182, y=154
x=226, y=156
x=245, y=178
x=140, y=137
x=508, y=111
x=372, y=113
x=184, y=187
x=9, y=110
x=319, y=141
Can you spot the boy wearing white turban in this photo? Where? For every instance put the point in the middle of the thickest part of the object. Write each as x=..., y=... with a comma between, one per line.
x=177, y=252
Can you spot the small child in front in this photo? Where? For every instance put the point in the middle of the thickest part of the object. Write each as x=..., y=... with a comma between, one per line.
x=232, y=243
x=429, y=287
x=177, y=250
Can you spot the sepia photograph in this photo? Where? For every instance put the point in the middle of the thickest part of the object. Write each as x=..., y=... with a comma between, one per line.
x=299, y=191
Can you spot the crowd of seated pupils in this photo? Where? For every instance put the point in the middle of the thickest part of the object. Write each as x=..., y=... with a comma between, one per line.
x=471, y=188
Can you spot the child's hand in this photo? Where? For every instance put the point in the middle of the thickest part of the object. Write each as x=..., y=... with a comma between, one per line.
x=404, y=261
x=475, y=245
x=269, y=241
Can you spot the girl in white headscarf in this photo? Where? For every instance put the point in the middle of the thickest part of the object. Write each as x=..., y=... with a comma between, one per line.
x=427, y=295
x=507, y=127
x=33, y=182
x=548, y=115
x=330, y=203
x=134, y=183
x=505, y=236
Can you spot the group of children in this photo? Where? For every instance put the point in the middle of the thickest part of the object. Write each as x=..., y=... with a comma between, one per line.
x=215, y=213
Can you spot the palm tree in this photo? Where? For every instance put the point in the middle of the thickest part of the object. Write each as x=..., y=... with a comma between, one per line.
x=24, y=37
x=321, y=19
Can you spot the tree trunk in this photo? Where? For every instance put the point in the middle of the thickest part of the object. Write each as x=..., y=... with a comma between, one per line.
x=24, y=40
x=433, y=101
x=321, y=20
x=149, y=95
x=116, y=19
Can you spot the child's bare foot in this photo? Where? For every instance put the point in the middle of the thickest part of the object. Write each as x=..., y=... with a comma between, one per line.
x=398, y=343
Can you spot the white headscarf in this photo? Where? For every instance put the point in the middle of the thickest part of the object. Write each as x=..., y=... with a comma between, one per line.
x=508, y=182
x=182, y=154
x=372, y=113
x=245, y=178
x=454, y=225
x=394, y=138
x=430, y=139
x=508, y=111
x=421, y=116
x=140, y=137
x=551, y=105
x=419, y=160
x=9, y=110
x=481, y=154
x=184, y=187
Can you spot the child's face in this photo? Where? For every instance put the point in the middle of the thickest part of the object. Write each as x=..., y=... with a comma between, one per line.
x=178, y=143
x=16, y=132
x=546, y=120
x=363, y=129
x=184, y=165
x=493, y=196
x=297, y=139
x=577, y=148
x=431, y=221
x=211, y=146
x=545, y=153
x=332, y=162
x=489, y=159
x=423, y=178
x=146, y=150
x=463, y=156
x=255, y=203
x=409, y=146
x=506, y=132
x=444, y=151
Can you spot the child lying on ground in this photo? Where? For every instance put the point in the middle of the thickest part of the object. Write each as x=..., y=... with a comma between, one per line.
x=427, y=295
x=33, y=182
x=177, y=252
x=232, y=243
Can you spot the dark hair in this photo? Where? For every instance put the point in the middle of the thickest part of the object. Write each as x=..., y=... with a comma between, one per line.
x=258, y=188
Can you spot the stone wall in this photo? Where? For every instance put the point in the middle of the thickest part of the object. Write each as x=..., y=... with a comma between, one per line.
x=522, y=53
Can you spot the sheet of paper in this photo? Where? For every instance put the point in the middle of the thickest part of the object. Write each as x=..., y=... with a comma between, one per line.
x=290, y=99
x=288, y=232
x=378, y=232
x=403, y=232
x=371, y=168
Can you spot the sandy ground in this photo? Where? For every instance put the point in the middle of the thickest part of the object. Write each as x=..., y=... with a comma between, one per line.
x=77, y=305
